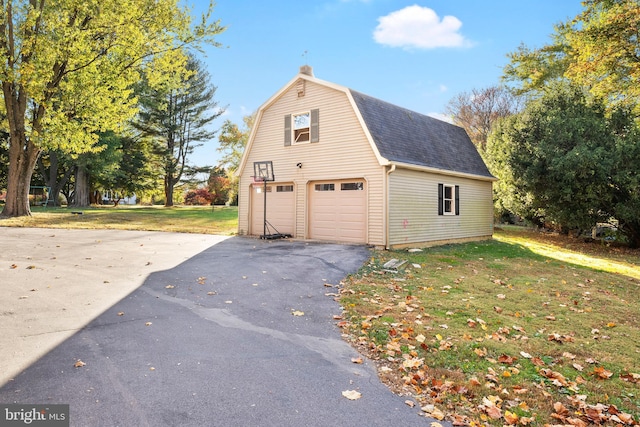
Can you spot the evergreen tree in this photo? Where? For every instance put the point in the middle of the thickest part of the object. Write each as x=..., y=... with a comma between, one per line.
x=176, y=116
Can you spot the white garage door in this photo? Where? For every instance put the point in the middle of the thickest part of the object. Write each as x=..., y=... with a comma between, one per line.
x=280, y=208
x=337, y=211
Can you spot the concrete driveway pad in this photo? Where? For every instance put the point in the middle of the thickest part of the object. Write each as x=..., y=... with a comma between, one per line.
x=183, y=330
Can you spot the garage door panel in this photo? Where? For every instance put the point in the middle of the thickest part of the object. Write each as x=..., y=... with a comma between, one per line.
x=338, y=215
x=280, y=210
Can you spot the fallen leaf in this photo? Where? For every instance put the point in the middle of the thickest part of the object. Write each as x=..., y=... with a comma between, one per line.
x=169, y=287
x=433, y=412
x=538, y=361
x=602, y=373
x=410, y=403
x=482, y=352
x=297, y=313
x=148, y=324
x=493, y=411
x=525, y=355
x=631, y=377
x=510, y=417
x=79, y=364
x=357, y=360
x=501, y=296
x=121, y=313
x=13, y=266
x=352, y=394
x=497, y=309
x=508, y=360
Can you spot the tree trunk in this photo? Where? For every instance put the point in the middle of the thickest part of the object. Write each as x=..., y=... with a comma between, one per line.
x=81, y=193
x=168, y=191
x=22, y=162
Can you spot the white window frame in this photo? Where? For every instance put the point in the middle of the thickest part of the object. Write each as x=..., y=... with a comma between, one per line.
x=294, y=128
x=451, y=200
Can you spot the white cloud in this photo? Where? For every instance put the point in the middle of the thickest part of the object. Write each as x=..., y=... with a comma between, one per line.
x=419, y=27
x=443, y=88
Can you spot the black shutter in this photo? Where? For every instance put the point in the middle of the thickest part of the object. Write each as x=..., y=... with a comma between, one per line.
x=440, y=199
x=287, y=130
x=457, y=200
x=315, y=125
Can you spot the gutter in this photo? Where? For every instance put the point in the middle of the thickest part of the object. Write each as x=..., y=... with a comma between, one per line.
x=442, y=171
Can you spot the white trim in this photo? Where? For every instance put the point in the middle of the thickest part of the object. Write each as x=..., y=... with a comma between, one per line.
x=443, y=171
x=452, y=212
x=293, y=128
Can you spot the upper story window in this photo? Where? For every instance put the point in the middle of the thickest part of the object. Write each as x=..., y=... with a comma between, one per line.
x=301, y=127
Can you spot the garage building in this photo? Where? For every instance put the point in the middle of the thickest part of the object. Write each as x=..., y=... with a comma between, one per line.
x=351, y=168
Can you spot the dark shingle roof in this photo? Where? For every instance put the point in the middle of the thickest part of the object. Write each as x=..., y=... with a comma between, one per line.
x=405, y=136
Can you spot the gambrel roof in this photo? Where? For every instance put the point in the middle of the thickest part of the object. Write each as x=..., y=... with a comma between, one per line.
x=400, y=136
x=407, y=137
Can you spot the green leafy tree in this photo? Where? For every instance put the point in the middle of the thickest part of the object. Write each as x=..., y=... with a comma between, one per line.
x=176, y=116
x=625, y=177
x=232, y=141
x=605, y=50
x=530, y=70
x=135, y=170
x=563, y=160
x=67, y=68
x=598, y=49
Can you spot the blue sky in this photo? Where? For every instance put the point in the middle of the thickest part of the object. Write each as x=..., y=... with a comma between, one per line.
x=415, y=54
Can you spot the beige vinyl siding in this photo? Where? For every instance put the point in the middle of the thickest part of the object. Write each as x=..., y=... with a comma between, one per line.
x=342, y=152
x=413, y=209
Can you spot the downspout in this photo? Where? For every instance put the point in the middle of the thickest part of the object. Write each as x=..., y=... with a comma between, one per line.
x=386, y=205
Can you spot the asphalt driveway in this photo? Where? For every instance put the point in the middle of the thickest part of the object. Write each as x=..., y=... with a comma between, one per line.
x=237, y=332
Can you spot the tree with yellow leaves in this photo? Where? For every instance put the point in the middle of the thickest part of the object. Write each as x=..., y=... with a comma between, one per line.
x=67, y=68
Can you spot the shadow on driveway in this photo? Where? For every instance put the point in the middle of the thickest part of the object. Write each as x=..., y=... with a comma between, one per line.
x=214, y=342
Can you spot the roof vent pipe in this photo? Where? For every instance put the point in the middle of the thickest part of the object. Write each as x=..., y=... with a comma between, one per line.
x=306, y=69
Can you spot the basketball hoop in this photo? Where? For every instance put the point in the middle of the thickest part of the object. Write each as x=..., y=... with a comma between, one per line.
x=263, y=171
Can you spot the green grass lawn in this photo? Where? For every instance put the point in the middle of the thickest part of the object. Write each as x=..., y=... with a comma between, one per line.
x=524, y=329
x=187, y=219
